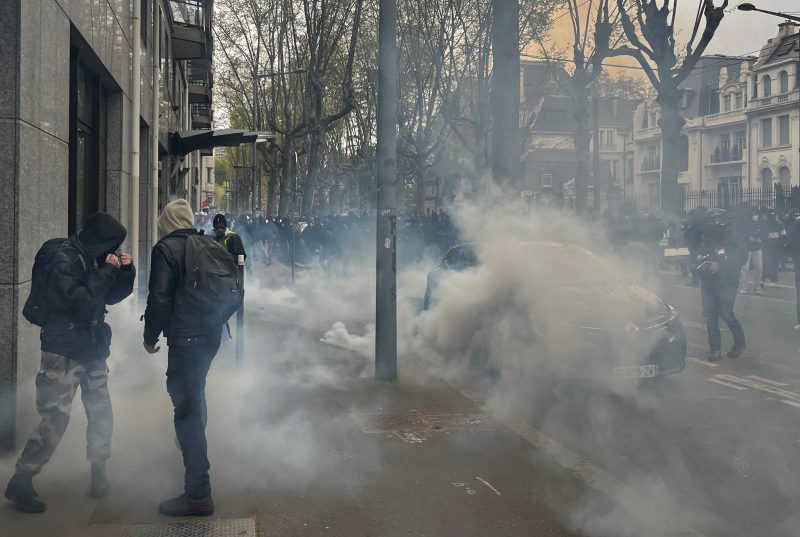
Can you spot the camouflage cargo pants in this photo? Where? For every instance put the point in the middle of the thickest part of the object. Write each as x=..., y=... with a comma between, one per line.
x=56, y=384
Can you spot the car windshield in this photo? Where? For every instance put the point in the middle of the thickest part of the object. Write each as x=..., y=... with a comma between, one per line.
x=569, y=266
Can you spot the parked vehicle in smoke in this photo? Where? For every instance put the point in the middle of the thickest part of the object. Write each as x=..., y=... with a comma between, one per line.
x=590, y=316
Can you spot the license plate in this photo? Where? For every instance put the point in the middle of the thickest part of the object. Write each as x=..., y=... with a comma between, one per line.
x=636, y=372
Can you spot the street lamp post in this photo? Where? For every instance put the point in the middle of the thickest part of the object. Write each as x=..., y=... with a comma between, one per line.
x=256, y=77
x=751, y=7
x=386, y=231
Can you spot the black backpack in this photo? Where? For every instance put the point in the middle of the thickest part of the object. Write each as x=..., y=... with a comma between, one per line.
x=212, y=284
x=35, y=309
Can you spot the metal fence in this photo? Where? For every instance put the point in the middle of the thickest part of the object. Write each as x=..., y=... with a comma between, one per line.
x=726, y=197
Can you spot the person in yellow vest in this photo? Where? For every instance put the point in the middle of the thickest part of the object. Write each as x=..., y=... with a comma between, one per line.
x=227, y=238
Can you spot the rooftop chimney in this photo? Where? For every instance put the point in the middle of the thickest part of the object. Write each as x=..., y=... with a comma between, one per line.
x=787, y=28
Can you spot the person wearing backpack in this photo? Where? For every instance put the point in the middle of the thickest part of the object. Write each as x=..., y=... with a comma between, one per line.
x=193, y=290
x=73, y=281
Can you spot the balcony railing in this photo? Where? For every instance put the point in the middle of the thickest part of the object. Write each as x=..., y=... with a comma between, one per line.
x=783, y=98
x=201, y=116
x=726, y=155
x=651, y=165
x=725, y=117
x=191, y=38
x=188, y=12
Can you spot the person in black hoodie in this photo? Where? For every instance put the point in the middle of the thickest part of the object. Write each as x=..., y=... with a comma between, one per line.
x=793, y=251
x=193, y=340
x=84, y=276
x=722, y=255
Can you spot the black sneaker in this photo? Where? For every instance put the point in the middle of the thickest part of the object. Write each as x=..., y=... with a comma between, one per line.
x=736, y=351
x=715, y=356
x=100, y=486
x=186, y=506
x=21, y=493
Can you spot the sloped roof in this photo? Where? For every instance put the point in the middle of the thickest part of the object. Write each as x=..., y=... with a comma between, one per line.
x=788, y=48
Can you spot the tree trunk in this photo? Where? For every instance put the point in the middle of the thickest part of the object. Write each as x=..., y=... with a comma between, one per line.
x=582, y=141
x=420, y=186
x=287, y=180
x=272, y=191
x=671, y=154
x=505, y=95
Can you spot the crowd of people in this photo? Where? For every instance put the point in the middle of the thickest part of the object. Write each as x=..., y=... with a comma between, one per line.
x=335, y=241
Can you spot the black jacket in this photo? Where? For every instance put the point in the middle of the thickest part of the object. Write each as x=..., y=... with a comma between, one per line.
x=77, y=292
x=166, y=310
x=730, y=252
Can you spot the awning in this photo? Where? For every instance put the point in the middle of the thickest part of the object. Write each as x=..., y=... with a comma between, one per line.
x=184, y=142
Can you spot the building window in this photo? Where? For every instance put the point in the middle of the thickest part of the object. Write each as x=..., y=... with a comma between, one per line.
x=766, y=132
x=784, y=81
x=88, y=133
x=785, y=178
x=607, y=139
x=766, y=86
x=783, y=130
x=726, y=106
x=741, y=144
x=766, y=179
x=547, y=179
x=144, y=21
x=739, y=100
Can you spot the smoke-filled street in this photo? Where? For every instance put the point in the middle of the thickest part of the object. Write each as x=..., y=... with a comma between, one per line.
x=400, y=268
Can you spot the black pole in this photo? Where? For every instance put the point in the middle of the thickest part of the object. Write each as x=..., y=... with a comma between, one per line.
x=386, y=243
x=254, y=160
x=240, y=319
x=595, y=151
x=294, y=208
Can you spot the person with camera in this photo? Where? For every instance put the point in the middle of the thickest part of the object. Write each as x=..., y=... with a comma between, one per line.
x=720, y=264
x=73, y=281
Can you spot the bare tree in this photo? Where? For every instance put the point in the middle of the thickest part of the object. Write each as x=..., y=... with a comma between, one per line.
x=591, y=45
x=649, y=26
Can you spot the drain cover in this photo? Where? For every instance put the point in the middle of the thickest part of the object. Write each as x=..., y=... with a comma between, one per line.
x=393, y=422
x=232, y=527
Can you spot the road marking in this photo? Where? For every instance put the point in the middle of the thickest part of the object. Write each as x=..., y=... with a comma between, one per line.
x=488, y=485
x=701, y=326
x=723, y=383
x=701, y=362
x=760, y=297
x=750, y=383
x=792, y=403
x=626, y=496
x=768, y=381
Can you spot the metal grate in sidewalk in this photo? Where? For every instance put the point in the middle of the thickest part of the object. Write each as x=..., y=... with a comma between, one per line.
x=231, y=527
x=393, y=422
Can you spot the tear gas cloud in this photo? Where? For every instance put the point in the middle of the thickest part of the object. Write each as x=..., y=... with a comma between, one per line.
x=512, y=324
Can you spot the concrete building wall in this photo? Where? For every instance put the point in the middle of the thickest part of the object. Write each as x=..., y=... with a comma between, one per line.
x=37, y=40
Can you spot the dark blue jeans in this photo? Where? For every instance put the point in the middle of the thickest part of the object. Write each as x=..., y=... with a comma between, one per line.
x=718, y=302
x=188, y=365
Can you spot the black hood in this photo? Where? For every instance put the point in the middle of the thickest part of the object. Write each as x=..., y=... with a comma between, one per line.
x=101, y=233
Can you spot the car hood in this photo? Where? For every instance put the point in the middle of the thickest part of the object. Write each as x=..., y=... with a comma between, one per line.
x=609, y=307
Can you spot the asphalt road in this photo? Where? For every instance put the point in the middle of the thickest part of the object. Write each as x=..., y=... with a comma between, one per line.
x=721, y=439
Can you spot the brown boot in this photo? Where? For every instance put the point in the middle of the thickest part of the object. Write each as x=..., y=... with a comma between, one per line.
x=186, y=506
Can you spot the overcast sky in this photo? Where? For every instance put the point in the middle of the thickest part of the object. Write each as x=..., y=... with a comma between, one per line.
x=740, y=32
